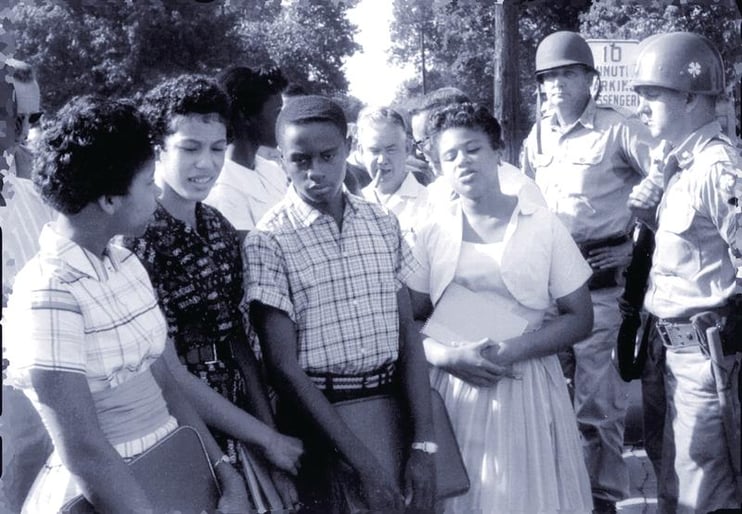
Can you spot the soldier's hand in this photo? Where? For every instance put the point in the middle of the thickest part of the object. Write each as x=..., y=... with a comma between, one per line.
x=610, y=256
x=645, y=196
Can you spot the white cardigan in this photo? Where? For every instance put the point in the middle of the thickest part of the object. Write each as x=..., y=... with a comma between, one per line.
x=540, y=261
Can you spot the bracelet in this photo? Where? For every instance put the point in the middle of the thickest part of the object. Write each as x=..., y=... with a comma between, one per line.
x=428, y=447
x=220, y=460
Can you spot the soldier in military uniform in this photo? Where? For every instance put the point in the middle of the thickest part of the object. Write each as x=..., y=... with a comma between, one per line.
x=586, y=158
x=679, y=77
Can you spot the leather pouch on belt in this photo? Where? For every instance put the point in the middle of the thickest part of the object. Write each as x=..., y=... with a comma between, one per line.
x=731, y=328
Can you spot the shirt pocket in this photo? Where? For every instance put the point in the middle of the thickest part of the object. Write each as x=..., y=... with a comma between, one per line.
x=677, y=249
x=588, y=150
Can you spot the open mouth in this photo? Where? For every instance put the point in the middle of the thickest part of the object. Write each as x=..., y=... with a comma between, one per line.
x=201, y=180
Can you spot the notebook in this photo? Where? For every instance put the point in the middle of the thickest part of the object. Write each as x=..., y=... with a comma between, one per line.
x=464, y=315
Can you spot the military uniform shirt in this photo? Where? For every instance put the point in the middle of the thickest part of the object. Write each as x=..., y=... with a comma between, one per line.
x=587, y=170
x=692, y=268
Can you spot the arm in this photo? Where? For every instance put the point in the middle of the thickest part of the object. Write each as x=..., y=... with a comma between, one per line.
x=69, y=415
x=573, y=324
x=420, y=470
x=217, y=411
x=234, y=496
x=278, y=340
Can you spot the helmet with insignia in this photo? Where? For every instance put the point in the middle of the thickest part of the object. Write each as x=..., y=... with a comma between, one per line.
x=681, y=61
x=563, y=48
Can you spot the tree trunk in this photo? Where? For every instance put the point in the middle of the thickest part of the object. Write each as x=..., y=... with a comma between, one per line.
x=506, y=75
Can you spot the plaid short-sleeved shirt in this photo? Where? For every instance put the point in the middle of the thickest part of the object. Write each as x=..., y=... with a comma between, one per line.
x=71, y=311
x=338, y=287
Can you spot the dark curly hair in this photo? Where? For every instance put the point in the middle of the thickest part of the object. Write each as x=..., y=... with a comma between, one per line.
x=92, y=147
x=465, y=115
x=183, y=95
x=249, y=89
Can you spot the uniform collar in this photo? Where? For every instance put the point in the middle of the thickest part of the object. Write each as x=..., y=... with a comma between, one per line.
x=74, y=257
x=307, y=215
x=695, y=142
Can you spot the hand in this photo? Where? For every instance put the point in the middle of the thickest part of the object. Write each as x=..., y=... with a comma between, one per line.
x=379, y=491
x=645, y=195
x=420, y=486
x=610, y=256
x=285, y=487
x=284, y=452
x=468, y=362
x=234, y=497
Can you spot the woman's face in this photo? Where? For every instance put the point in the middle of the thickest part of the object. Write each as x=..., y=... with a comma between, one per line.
x=191, y=158
x=139, y=204
x=468, y=161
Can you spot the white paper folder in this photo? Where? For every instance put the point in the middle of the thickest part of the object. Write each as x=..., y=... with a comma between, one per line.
x=465, y=315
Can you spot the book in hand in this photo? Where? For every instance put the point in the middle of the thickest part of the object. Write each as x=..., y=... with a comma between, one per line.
x=465, y=315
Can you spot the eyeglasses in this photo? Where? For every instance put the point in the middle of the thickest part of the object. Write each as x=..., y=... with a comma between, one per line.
x=32, y=117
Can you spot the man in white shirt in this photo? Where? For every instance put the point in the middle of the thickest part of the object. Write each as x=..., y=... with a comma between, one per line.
x=249, y=185
x=384, y=145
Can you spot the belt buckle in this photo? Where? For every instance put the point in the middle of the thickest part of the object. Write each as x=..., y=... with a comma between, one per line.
x=663, y=333
x=214, y=356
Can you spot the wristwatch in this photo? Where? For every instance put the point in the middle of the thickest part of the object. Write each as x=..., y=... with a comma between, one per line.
x=425, y=446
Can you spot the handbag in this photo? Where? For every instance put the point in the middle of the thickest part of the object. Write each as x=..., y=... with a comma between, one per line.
x=175, y=473
x=378, y=421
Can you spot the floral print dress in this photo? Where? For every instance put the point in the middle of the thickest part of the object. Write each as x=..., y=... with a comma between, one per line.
x=197, y=274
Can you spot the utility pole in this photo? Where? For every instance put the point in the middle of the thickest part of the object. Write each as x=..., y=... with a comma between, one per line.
x=422, y=57
x=506, y=76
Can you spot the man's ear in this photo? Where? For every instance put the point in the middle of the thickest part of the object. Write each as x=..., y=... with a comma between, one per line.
x=109, y=203
x=348, y=144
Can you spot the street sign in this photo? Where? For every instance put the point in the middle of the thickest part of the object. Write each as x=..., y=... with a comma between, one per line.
x=614, y=60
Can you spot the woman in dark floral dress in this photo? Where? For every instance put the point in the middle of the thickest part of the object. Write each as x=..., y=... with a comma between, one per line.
x=193, y=256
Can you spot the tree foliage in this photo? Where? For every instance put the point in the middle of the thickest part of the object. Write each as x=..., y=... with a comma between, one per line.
x=308, y=40
x=120, y=47
x=718, y=21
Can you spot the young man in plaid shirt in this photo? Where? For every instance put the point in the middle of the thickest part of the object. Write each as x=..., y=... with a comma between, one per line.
x=325, y=286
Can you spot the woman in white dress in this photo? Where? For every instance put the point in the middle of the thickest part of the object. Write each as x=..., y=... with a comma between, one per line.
x=507, y=399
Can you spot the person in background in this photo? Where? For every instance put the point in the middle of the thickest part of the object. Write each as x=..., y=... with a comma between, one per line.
x=250, y=184
x=383, y=145
x=26, y=444
x=419, y=111
x=356, y=175
x=28, y=112
x=508, y=400
x=679, y=77
x=193, y=257
x=325, y=293
x=585, y=159
x=86, y=337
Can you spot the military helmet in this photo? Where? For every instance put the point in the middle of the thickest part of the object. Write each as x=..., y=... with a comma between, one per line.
x=563, y=48
x=681, y=61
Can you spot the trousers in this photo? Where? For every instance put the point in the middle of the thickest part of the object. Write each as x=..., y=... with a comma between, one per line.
x=697, y=473
x=601, y=399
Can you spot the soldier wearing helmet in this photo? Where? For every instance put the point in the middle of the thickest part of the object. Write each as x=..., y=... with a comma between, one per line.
x=679, y=77
x=586, y=158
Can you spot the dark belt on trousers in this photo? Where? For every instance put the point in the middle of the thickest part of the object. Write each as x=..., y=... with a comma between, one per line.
x=601, y=279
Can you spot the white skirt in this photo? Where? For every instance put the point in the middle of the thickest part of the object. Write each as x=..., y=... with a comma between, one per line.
x=519, y=441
